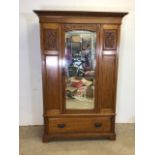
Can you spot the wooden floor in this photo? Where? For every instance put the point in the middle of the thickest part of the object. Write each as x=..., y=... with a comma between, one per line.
x=31, y=143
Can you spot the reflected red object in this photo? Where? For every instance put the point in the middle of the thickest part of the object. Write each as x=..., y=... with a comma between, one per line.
x=77, y=84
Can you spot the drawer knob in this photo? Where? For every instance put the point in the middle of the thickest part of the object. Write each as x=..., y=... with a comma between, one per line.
x=61, y=125
x=98, y=125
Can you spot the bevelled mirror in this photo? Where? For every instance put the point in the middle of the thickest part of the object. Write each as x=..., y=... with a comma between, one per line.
x=80, y=63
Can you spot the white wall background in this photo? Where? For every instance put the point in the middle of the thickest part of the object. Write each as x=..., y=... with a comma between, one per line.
x=30, y=108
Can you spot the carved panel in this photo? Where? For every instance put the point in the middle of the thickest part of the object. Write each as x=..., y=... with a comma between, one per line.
x=110, y=39
x=91, y=27
x=51, y=39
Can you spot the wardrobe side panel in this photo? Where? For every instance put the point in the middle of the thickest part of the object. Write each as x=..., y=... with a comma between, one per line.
x=108, y=67
x=51, y=66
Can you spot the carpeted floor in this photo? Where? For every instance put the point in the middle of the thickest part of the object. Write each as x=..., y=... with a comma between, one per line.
x=31, y=144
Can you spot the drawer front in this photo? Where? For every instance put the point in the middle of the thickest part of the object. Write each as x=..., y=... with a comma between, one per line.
x=80, y=124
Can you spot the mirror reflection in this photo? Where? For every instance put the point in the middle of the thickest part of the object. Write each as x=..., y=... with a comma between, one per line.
x=80, y=62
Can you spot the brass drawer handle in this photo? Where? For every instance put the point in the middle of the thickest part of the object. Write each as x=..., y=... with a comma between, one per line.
x=61, y=125
x=98, y=125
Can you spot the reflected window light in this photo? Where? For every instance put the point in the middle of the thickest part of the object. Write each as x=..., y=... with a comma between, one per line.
x=52, y=61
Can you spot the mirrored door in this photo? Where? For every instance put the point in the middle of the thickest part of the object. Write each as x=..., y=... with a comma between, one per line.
x=80, y=64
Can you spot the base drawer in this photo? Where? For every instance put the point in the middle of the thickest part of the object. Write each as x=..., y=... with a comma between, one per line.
x=79, y=125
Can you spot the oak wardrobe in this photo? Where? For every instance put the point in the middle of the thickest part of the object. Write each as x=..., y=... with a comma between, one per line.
x=79, y=54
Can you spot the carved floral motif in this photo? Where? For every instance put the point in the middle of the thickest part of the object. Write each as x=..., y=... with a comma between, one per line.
x=51, y=39
x=80, y=27
x=110, y=39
